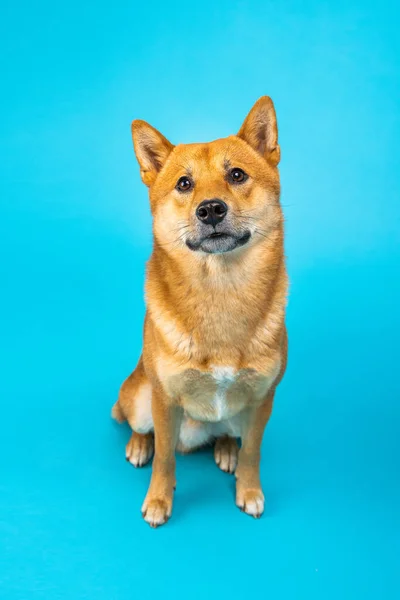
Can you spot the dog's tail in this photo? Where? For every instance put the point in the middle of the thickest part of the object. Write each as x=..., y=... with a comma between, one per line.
x=117, y=413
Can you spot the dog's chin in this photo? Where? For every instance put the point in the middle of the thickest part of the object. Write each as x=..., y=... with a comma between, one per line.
x=218, y=243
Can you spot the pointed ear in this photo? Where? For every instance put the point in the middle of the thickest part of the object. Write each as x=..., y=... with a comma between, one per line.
x=260, y=130
x=151, y=148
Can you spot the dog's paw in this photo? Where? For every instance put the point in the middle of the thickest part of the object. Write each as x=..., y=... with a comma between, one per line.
x=251, y=502
x=226, y=454
x=140, y=448
x=156, y=511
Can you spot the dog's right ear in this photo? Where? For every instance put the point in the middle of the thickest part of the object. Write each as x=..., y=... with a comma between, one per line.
x=151, y=148
x=260, y=130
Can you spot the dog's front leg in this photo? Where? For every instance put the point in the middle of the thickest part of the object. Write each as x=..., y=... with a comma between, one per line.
x=249, y=495
x=167, y=417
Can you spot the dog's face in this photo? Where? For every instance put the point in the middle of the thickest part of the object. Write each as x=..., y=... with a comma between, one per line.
x=216, y=197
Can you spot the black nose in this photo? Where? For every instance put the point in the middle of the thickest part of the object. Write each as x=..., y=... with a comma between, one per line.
x=211, y=212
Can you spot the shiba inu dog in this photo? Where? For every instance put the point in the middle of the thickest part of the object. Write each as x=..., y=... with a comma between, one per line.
x=215, y=341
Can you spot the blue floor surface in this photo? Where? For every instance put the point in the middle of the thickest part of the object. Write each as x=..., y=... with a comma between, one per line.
x=74, y=238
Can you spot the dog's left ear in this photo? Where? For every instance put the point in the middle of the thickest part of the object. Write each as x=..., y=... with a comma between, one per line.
x=260, y=130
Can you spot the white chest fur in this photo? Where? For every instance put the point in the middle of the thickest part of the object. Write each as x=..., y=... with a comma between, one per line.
x=224, y=377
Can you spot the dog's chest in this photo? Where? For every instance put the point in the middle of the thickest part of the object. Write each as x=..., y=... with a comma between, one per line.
x=224, y=378
x=218, y=393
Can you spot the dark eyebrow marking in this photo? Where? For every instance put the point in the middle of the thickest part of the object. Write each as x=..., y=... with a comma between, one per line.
x=227, y=164
x=187, y=170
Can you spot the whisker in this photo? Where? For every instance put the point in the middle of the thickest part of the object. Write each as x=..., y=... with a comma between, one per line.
x=262, y=234
x=173, y=242
x=245, y=217
x=182, y=228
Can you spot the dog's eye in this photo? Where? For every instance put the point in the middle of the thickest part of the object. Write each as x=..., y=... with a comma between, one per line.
x=238, y=175
x=184, y=184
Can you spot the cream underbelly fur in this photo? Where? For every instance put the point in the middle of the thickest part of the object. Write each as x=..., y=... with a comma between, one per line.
x=207, y=413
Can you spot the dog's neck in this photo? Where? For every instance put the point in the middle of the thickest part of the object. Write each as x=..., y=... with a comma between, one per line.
x=218, y=297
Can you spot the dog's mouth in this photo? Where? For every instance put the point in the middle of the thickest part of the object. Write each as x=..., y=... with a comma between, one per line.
x=219, y=242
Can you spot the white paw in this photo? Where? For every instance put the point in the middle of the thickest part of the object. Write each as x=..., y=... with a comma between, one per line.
x=251, y=502
x=226, y=454
x=156, y=512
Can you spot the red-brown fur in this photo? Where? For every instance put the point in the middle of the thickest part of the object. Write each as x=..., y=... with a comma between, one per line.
x=210, y=318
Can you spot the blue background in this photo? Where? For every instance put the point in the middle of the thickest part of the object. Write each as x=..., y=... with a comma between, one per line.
x=74, y=237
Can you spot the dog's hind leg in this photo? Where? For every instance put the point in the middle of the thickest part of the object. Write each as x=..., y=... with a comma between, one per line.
x=226, y=451
x=140, y=449
x=134, y=405
x=117, y=413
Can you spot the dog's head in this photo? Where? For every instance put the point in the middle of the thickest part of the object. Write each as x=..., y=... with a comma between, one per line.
x=213, y=198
